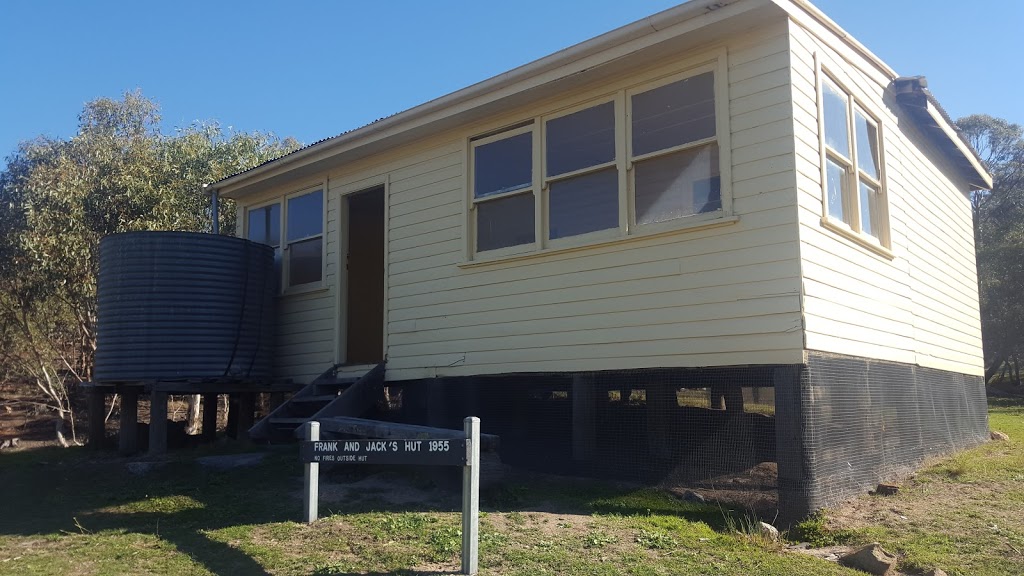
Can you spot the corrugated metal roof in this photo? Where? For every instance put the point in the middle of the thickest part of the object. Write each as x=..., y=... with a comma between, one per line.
x=913, y=94
x=641, y=28
x=952, y=144
x=307, y=147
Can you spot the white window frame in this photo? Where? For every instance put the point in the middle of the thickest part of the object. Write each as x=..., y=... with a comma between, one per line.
x=282, y=200
x=716, y=139
x=546, y=180
x=715, y=62
x=533, y=188
x=853, y=173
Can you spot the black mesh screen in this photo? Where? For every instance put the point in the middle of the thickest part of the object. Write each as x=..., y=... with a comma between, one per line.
x=709, y=429
x=807, y=436
x=864, y=421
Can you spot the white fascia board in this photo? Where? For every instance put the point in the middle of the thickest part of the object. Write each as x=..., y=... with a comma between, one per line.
x=802, y=10
x=606, y=48
x=954, y=137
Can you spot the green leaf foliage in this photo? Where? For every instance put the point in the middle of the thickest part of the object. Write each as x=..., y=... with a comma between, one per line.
x=59, y=197
x=999, y=240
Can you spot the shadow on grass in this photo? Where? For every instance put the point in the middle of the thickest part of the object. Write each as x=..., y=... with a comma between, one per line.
x=392, y=573
x=70, y=491
x=550, y=494
x=55, y=491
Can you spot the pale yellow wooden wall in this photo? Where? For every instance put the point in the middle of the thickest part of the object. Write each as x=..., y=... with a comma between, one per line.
x=721, y=296
x=305, y=330
x=920, y=307
x=728, y=295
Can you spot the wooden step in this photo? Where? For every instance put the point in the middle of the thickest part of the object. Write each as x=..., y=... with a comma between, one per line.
x=335, y=381
x=288, y=421
x=339, y=391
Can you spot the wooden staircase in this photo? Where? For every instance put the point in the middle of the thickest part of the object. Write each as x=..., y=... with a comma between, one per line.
x=336, y=392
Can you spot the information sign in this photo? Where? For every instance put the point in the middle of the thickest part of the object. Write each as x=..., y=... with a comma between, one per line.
x=413, y=452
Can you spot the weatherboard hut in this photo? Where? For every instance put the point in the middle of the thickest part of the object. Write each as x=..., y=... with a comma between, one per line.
x=724, y=242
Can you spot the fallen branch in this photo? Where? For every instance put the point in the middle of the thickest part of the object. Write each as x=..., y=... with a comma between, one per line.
x=1014, y=548
x=113, y=402
x=31, y=403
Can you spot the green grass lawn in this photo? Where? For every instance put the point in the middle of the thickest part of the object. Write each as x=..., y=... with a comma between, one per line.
x=75, y=512
x=964, y=514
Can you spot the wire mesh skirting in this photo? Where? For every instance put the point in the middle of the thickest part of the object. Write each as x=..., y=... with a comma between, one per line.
x=712, y=428
x=791, y=438
x=866, y=421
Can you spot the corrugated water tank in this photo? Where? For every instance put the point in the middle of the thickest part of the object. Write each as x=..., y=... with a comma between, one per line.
x=184, y=306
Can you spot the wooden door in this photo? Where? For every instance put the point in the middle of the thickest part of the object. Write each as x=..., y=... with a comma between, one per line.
x=365, y=302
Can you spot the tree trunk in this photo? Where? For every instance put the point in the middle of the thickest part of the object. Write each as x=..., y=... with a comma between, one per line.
x=192, y=423
x=998, y=365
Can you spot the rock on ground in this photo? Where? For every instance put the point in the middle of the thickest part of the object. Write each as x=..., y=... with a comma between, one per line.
x=769, y=531
x=886, y=490
x=871, y=559
x=691, y=496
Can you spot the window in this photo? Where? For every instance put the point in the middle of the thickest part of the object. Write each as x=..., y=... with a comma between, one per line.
x=674, y=151
x=851, y=165
x=503, y=190
x=265, y=227
x=581, y=176
x=302, y=242
x=305, y=239
x=642, y=159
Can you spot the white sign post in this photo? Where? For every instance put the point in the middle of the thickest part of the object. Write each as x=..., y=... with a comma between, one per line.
x=463, y=452
x=311, y=480
x=471, y=498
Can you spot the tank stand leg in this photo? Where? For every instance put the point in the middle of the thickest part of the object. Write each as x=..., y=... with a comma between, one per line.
x=209, y=433
x=157, y=422
x=97, y=426
x=276, y=399
x=246, y=409
x=662, y=409
x=233, y=408
x=584, y=422
x=128, y=438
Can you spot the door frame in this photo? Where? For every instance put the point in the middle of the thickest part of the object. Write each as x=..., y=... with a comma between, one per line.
x=341, y=302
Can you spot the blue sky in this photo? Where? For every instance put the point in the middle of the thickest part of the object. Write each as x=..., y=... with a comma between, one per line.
x=312, y=69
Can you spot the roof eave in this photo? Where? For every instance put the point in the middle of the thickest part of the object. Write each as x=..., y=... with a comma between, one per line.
x=912, y=93
x=515, y=79
x=979, y=176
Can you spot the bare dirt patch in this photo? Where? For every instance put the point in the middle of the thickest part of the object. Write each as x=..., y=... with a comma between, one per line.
x=24, y=416
x=754, y=489
x=957, y=506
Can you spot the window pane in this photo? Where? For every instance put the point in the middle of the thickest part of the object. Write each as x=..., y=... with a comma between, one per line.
x=867, y=146
x=503, y=166
x=837, y=129
x=582, y=139
x=504, y=222
x=265, y=225
x=305, y=215
x=584, y=204
x=304, y=261
x=674, y=114
x=677, y=185
x=868, y=209
x=836, y=182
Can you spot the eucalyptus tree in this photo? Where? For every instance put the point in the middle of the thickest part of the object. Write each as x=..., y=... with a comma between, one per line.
x=999, y=240
x=59, y=197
